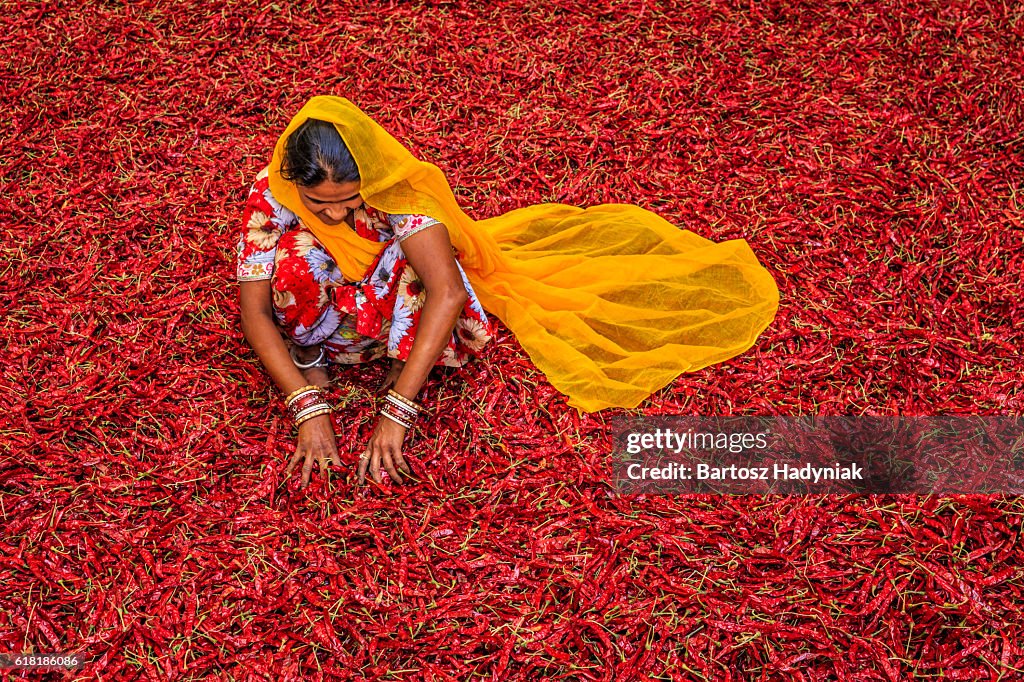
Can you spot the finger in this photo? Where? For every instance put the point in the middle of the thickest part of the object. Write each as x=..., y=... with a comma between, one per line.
x=325, y=466
x=335, y=457
x=324, y=460
x=402, y=465
x=299, y=452
x=389, y=465
x=375, y=468
x=307, y=469
x=364, y=462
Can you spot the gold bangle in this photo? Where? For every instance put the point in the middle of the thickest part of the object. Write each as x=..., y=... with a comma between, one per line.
x=402, y=408
x=411, y=403
x=301, y=389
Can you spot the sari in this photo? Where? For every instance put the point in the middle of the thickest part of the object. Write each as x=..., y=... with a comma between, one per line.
x=611, y=302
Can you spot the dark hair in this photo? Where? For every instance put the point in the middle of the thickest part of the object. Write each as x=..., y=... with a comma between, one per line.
x=315, y=152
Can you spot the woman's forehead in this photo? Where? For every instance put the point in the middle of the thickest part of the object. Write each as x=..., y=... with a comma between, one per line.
x=330, y=192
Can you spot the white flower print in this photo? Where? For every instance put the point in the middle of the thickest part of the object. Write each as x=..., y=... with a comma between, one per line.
x=282, y=216
x=263, y=239
x=322, y=266
x=323, y=328
x=386, y=265
x=303, y=242
x=401, y=323
x=474, y=303
x=471, y=333
x=373, y=220
x=283, y=299
x=257, y=219
x=448, y=358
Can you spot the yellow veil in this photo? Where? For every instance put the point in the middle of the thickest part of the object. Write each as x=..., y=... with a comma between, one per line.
x=611, y=302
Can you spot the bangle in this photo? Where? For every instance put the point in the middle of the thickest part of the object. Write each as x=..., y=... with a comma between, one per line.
x=401, y=417
x=306, y=400
x=312, y=412
x=297, y=424
x=319, y=407
x=300, y=389
x=308, y=366
x=401, y=407
x=395, y=419
x=398, y=396
x=316, y=409
x=404, y=415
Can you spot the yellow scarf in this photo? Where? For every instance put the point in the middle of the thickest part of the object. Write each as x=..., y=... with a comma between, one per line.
x=612, y=302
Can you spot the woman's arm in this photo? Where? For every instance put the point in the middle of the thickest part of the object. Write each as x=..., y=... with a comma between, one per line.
x=429, y=253
x=316, y=435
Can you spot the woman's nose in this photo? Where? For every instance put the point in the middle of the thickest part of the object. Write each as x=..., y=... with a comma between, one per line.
x=335, y=215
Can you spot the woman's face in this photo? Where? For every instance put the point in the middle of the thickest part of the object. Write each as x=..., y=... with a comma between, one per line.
x=330, y=201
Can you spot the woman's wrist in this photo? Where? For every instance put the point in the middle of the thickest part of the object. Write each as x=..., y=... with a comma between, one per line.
x=306, y=403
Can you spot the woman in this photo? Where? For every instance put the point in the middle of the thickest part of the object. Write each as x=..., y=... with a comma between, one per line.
x=406, y=307
x=357, y=250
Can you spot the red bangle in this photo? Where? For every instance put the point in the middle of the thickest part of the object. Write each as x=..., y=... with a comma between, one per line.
x=308, y=400
x=398, y=420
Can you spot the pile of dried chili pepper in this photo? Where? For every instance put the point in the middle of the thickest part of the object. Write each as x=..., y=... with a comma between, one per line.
x=869, y=152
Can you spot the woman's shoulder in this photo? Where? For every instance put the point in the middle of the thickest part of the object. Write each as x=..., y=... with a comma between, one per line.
x=405, y=225
x=263, y=200
x=395, y=225
x=262, y=182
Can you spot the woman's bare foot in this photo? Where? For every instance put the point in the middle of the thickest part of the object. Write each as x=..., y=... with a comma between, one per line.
x=392, y=377
x=316, y=376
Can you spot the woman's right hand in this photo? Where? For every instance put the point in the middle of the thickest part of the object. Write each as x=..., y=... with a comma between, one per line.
x=316, y=441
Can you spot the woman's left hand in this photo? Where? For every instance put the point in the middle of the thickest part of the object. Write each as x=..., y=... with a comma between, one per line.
x=384, y=449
